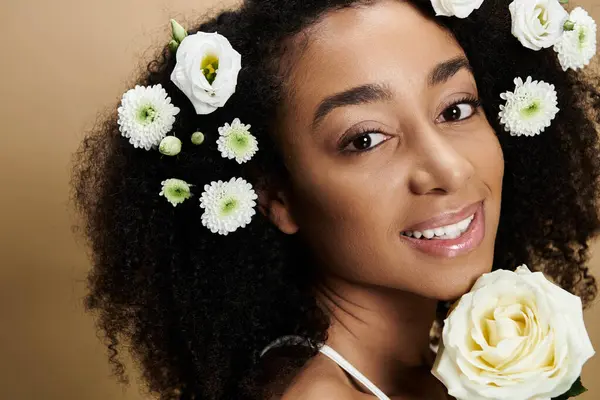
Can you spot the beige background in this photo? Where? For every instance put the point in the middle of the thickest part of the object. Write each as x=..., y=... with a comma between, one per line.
x=62, y=61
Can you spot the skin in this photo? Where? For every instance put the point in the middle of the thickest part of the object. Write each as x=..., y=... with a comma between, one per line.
x=350, y=208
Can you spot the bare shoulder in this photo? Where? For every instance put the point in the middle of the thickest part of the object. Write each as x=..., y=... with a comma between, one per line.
x=321, y=379
x=318, y=390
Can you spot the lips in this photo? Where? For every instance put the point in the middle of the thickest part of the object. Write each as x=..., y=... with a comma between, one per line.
x=446, y=218
x=448, y=248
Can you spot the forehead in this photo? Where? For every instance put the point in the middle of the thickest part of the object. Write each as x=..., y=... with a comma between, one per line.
x=389, y=41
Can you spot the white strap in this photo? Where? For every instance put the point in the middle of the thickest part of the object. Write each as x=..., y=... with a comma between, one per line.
x=333, y=355
x=342, y=362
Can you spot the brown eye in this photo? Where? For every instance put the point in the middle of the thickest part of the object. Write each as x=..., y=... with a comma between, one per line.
x=457, y=112
x=366, y=141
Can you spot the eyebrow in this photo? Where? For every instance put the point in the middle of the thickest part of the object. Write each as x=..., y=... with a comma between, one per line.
x=373, y=92
x=363, y=94
x=447, y=69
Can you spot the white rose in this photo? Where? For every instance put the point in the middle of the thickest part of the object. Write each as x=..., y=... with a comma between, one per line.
x=455, y=8
x=537, y=23
x=514, y=336
x=206, y=70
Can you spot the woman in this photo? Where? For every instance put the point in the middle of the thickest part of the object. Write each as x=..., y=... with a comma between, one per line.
x=378, y=131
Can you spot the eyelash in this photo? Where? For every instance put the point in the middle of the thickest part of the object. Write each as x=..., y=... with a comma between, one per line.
x=471, y=100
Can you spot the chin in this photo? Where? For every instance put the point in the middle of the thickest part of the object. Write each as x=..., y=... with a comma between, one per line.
x=455, y=282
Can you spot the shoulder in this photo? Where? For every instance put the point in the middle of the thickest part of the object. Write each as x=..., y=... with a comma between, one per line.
x=321, y=379
x=322, y=388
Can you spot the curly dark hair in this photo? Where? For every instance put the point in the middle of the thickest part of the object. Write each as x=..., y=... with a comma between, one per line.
x=197, y=307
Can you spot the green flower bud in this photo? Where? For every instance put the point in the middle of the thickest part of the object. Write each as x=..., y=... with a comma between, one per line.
x=197, y=137
x=569, y=25
x=173, y=45
x=177, y=31
x=170, y=146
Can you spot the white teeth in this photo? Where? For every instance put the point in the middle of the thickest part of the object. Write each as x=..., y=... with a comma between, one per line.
x=443, y=232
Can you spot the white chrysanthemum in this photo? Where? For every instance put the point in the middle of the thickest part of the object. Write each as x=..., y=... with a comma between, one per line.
x=146, y=115
x=577, y=45
x=175, y=190
x=235, y=141
x=530, y=108
x=228, y=205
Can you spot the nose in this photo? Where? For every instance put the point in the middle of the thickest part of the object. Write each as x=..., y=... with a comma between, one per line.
x=441, y=165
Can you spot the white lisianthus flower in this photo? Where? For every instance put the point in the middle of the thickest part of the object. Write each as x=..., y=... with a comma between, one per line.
x=176, y=191
x=206, y=70
x=170, y=146
x=577, y=45
x=235, y=141
x=455, y=8
x=514, y=336
x=228, y=205
x=146, y=115
x=537, y=24
x=530, y=108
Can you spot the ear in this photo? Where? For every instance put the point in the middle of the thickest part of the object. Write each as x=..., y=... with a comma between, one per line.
x=274, y=203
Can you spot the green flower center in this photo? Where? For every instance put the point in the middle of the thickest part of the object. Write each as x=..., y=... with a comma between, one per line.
x=532, y=109
x=238, y=141
x=209, y=67
x=228, y=205
x=177, y=191
x=543, y=15
x=582, y=37
x=146, y=114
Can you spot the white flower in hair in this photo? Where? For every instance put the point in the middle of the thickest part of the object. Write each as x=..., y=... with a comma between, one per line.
x=577, y=45
x=530, y=108
x=170, y=146
x=176, y=191
x=537, y=23
x=146, y=115
x=206, y=70
x=235, y=141
x=197, y=138
x=455, y=8
x=228, y=205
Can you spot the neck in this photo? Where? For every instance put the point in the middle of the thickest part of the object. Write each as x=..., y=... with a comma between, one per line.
x=382, y=332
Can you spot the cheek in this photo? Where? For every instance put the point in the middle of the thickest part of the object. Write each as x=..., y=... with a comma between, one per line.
x=344, y=219
x=488, y=160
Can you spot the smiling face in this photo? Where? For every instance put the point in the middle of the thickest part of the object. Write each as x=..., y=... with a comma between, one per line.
x=386, y=145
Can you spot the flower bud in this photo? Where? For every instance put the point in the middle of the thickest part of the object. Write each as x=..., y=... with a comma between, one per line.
x=170, y=146
x=173, y=45
x=197, y=138
x=569, y=25
x=177, y=31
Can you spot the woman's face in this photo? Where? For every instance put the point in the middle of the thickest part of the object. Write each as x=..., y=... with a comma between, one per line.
x=385, y=142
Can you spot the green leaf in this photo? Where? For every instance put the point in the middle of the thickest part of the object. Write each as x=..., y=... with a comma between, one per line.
x=564, y=1
x=576, y=389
